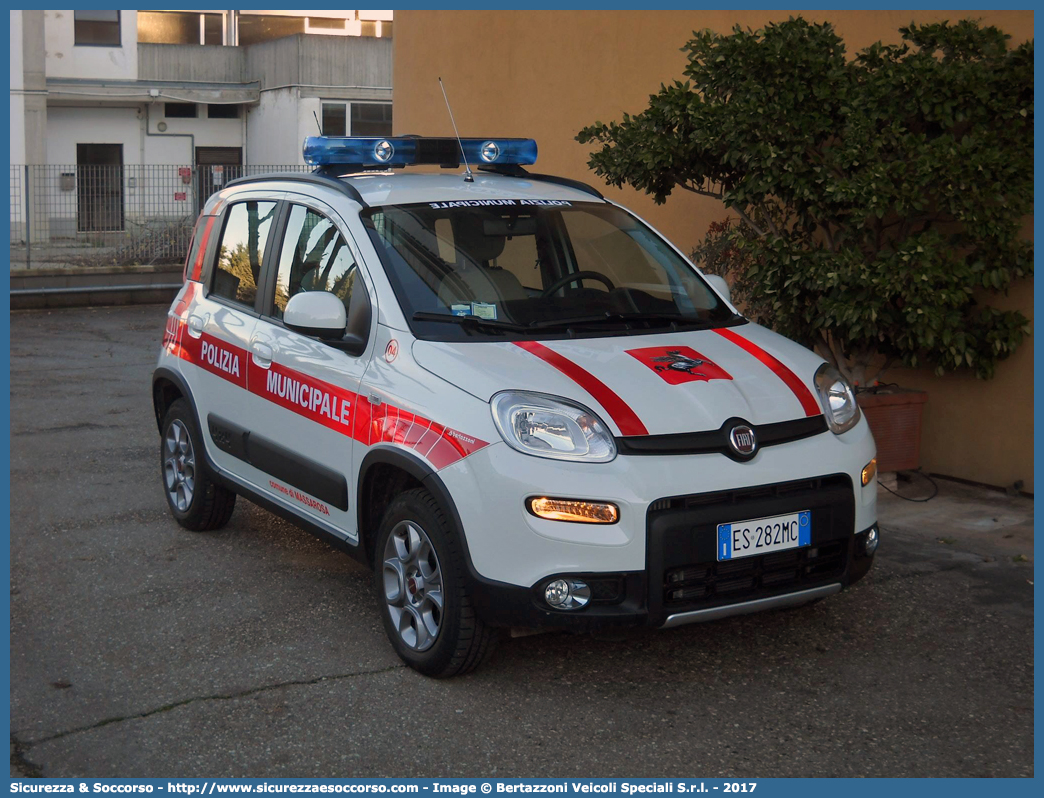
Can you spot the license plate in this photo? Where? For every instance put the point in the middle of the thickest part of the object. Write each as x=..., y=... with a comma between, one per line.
x=764, y=535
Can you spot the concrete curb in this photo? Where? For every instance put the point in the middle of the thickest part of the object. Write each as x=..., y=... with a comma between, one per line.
x=63, y=288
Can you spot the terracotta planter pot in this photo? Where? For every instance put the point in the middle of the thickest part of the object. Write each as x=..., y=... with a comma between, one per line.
x=895, y=421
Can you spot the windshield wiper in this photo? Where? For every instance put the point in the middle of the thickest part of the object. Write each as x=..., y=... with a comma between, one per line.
x=470, y=321
x=618, y=318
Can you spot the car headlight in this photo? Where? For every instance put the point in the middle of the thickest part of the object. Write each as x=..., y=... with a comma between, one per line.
x=838, y=399
x=548, y=426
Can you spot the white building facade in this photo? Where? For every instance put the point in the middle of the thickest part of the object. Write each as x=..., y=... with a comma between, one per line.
x=125, y=115
x=258, y=81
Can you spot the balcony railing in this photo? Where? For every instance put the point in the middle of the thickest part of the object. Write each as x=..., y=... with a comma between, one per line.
x=192, y=62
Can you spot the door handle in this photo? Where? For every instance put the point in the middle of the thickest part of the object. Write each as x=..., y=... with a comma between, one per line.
x=262, y=353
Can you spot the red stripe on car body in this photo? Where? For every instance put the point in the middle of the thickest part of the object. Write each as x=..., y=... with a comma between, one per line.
x=792, y=380
x=214, y=355
x=306, y=396
x=181, y=307
x=346, y=412
x=620, y=412
x=197, y=268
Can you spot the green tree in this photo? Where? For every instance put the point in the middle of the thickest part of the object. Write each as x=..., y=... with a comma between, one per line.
x=876, y=196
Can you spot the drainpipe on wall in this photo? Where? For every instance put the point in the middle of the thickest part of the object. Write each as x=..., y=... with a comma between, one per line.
x=190, y=136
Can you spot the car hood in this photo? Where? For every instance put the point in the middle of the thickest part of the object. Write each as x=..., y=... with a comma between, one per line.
x=645, y=384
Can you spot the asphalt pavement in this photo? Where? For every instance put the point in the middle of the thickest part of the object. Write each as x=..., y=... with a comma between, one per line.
x=141, y=649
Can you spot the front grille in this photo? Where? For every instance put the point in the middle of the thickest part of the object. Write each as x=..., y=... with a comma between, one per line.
x=684, y=573
x=740, y=579
x=780, y=490
x=717, y=441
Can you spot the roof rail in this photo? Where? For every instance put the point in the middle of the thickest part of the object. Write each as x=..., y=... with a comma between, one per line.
x=304, y=177
x=518, y=171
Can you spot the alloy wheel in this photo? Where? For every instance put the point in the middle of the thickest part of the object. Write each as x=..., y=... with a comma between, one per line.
x=179, y=465
x=413, y=585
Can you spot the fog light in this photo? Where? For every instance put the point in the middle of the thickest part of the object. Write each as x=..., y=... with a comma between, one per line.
x=576, y=510
x=557, y=593
x=567, y=594
x=869, y=471
x=872, y=539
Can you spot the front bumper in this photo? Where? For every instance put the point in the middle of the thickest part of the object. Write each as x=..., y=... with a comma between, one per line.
x=684, y=583
x=660, y=559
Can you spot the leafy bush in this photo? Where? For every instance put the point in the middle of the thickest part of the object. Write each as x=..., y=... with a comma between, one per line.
x=879, y=197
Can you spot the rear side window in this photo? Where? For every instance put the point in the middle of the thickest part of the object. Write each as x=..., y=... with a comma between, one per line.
x=315, y=257
x=241, y=252
x=200, y=233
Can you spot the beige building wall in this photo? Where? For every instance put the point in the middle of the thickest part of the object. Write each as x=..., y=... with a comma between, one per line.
x=545, y=75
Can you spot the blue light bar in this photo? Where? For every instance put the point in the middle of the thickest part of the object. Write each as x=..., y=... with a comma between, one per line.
x=331, y=151
x=373, y=152
x=520, y=152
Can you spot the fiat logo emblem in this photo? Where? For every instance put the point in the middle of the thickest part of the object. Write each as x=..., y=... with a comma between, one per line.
x=742, y=439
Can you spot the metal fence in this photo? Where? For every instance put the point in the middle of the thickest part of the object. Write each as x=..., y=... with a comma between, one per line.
x=112, y=215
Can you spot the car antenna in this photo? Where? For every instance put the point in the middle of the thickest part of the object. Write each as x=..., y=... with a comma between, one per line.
x=317, y=123
x=468, y=177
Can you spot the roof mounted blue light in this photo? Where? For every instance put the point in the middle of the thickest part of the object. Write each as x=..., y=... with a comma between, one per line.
x=361, y=153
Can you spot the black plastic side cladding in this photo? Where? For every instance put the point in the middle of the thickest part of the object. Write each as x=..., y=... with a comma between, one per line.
x=279, y=462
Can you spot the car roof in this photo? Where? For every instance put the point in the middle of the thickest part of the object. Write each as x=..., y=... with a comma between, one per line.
x=399, y=188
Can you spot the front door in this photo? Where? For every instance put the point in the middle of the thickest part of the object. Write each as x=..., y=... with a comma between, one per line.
x=99, y=188
x=215, y=167
x=310, y=387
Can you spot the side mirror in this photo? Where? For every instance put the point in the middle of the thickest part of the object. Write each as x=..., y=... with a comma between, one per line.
x=322, y=314
x=718, y=284
x=317, y=313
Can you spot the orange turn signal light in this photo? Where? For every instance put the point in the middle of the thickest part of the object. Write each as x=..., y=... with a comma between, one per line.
x=869, y=471
x=575, y=510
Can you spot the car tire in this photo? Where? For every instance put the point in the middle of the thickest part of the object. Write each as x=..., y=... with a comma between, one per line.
x=421, y=584
x=195, y=500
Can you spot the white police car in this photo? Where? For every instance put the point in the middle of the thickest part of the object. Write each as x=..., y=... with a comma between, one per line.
x=508, y=395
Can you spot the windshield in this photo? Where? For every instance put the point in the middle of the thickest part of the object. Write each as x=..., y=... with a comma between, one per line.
x=523, y=267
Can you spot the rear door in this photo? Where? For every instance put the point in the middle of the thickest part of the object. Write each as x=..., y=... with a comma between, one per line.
x=221, y=322
x=309, y=386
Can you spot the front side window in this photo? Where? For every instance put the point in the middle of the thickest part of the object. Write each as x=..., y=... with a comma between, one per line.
x=96, y=28
x=536, y=267
x=315, y=257
x=242, y=250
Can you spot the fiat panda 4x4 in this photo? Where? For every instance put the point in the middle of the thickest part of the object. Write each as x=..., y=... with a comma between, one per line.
x=509, y=396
